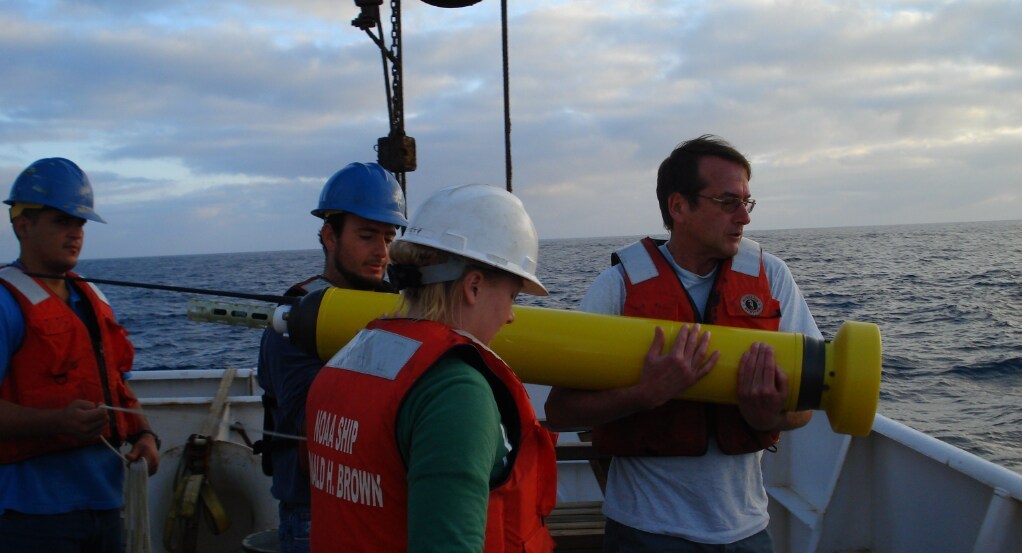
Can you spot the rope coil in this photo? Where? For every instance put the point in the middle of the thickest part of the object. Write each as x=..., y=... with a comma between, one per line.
x=137, y=536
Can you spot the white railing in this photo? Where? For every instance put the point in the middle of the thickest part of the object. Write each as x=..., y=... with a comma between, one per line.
x=896, y=490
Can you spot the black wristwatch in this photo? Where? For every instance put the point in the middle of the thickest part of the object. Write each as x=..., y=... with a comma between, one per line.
x=138, y=435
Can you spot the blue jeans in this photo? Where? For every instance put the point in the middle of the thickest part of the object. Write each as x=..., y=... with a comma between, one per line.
x=295, y=520
x=74, y=532
x=619, y=538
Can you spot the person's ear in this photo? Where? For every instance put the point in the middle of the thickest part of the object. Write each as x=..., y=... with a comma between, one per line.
x=19, y=224
x=470, y=285
x=678, y=207
x=327, y=236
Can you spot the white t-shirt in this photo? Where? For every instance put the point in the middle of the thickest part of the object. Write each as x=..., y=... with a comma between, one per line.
x=715, y=498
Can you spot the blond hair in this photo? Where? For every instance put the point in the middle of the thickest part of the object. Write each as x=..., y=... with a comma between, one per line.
x=436, y=301
x=433, y=302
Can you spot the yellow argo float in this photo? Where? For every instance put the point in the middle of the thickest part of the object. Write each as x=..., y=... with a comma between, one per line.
x=580, y=350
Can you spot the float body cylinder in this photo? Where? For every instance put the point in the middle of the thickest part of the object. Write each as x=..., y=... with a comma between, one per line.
x=573, y=349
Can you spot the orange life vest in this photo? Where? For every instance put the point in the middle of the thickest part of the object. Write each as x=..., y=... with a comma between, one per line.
x=57, y=363
x=358, y=477
x=740, y=298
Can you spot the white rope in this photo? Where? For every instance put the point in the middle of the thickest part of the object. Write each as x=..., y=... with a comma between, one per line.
x=282, y=435
x=115, y=450
x=122, y=409
x=241, y=427
x=136, y=508
x=137, y=538
x=223, y=424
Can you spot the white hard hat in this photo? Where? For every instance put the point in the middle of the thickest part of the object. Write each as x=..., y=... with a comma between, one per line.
x=482, y=223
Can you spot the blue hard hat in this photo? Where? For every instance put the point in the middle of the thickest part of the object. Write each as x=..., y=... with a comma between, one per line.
x=367, y=190
x=58, y=183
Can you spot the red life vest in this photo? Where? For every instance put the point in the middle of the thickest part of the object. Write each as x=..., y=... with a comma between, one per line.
x=57, y=363
x=358, y=477
x=740, y=298
x=308, y=286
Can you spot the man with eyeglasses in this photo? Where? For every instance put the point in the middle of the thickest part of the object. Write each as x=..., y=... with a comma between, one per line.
x=686, y=475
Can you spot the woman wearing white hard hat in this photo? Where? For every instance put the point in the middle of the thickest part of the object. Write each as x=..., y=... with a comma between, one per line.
x=420, y=437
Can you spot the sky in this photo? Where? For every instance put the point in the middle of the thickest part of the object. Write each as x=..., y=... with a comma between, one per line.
x=209, y=127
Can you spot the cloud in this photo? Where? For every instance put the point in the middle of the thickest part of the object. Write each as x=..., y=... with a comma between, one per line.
x=210, y=127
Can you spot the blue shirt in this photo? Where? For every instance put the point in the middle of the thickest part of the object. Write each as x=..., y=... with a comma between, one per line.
x=286, y=372
x=90, y=477
x=12, y=326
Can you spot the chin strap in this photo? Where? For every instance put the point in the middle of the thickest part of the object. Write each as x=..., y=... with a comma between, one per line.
x=412, y=276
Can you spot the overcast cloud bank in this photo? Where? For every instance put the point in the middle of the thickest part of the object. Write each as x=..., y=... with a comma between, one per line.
x=210, y=127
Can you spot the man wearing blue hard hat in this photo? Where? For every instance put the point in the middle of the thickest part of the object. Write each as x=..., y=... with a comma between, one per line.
x=363, y=208
x=63, y=359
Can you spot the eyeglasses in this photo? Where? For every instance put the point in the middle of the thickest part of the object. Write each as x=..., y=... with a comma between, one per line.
x=730, y=204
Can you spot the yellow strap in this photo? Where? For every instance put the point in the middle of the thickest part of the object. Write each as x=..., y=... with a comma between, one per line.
x=190, y=498
x=177, y=526
x=181, y=526
x=218, y=520
x=184, y=508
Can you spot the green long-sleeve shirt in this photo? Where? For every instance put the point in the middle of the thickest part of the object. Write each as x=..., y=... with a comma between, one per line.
x=450, y=437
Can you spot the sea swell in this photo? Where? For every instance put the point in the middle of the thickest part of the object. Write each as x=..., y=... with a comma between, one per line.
x=947, y=299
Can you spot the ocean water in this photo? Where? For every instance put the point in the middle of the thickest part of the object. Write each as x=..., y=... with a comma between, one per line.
x=947, y=298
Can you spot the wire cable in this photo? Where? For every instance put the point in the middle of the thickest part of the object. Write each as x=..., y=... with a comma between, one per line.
x=289, y=300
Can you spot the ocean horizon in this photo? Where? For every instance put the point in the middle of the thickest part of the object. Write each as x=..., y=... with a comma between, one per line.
x=946, y=296
x=659, y=234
